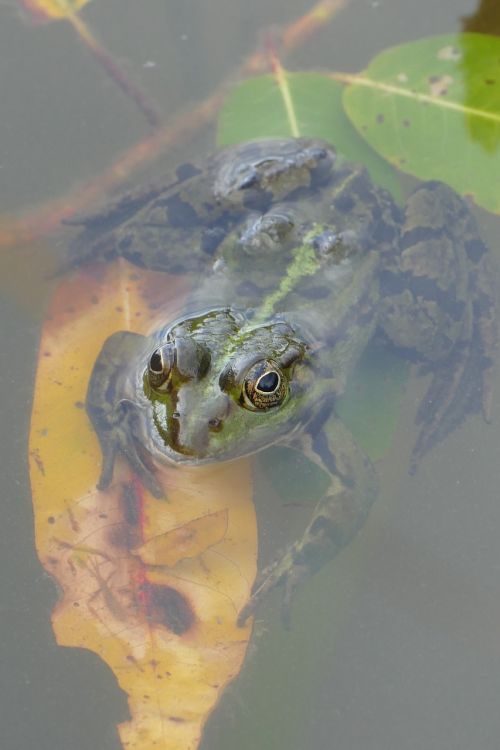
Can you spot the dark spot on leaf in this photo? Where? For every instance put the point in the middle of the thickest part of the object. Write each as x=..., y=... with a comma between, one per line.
x=94, y=299
x=406, y=123
x=177, y=719
x=79, y=405
x=168, y=607
x=51, y=519
x=434, y=79
x=489, y=81
x=380, y=119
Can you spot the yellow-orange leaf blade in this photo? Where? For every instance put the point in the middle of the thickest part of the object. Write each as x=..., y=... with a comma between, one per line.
x=152, y=586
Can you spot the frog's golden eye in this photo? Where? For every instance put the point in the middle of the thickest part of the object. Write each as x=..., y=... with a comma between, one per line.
x=264, y=386
x=160, y=366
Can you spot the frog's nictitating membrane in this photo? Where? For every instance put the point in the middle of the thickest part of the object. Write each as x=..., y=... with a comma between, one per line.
x=299, y=260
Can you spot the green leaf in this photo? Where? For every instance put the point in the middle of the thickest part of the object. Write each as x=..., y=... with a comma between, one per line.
x=301, y=104
x=432, y=108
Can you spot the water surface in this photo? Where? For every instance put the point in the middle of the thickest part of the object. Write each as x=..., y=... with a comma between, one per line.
x=396, y=645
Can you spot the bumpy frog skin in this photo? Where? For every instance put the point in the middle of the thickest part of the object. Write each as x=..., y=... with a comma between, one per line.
x=298, y=261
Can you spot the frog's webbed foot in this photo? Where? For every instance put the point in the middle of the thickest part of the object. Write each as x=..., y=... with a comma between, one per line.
x=115, y=418
x=120, y=439
x=439, y=300
x=283, y=572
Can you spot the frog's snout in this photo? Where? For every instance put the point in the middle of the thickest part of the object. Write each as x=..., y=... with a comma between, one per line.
x=195, y=429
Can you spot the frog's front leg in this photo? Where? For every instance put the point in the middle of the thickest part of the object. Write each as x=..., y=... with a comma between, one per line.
x=338, y=516
x=115, y=417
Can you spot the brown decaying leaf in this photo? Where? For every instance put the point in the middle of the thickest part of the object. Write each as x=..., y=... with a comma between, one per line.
x=152, y=586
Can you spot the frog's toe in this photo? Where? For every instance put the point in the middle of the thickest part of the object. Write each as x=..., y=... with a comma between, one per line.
x=142, y=470
x=115, y=442
x=283, y=573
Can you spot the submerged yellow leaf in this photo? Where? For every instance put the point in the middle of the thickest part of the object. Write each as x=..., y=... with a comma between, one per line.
x=152, y=586
x=189, y=540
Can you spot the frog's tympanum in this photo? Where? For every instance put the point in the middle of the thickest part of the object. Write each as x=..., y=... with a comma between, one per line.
x=299, y=261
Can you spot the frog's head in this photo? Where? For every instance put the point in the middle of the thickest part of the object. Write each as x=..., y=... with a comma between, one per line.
x=221, y=387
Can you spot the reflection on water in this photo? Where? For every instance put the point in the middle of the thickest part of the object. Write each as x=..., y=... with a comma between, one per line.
x=393, y=646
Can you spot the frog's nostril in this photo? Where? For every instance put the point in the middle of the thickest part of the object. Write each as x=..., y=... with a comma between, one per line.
x=215, y=424
x=176, y=415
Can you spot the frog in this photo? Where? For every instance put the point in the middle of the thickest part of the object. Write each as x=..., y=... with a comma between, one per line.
x=298, y=260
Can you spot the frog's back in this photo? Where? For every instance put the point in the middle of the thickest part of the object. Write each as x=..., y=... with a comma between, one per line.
x=177, y=226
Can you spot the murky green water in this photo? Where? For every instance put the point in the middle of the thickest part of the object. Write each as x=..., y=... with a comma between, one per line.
x=396, y=646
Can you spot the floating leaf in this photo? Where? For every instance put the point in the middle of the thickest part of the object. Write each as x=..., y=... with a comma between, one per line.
x=152, y=586
x=298, y=104
x=432, y=108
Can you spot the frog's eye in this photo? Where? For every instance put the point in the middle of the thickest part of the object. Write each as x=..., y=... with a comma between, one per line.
x=264, y=386
x=160, y=366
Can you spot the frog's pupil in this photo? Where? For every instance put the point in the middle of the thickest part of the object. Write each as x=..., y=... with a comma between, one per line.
x=155, y=362
x=268, y=382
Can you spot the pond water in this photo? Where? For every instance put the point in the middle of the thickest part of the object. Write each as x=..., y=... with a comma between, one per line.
x=394, y=646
